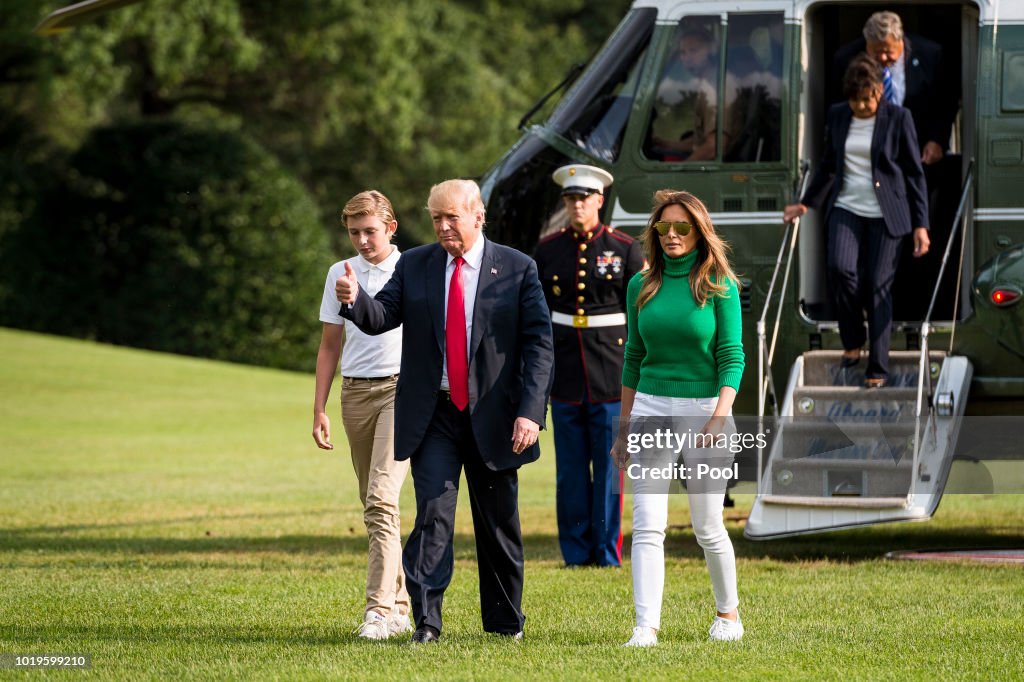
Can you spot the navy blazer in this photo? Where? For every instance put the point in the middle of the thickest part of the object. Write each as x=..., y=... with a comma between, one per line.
x=510, y=353
x=895, y=165
x=932, y=95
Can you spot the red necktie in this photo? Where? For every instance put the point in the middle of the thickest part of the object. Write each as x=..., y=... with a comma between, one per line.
x=455, y=340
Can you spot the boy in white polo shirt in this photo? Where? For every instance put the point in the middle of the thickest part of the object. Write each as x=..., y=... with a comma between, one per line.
x=369, y=371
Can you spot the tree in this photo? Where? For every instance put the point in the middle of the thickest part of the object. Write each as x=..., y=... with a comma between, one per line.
x=166, y=237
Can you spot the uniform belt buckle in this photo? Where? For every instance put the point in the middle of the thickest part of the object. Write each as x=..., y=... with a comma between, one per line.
x=580, y=321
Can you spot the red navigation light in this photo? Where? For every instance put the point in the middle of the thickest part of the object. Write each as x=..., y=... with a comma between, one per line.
x=1004, y=296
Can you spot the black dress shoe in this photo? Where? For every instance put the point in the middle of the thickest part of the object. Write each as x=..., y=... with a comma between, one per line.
x=425, y=635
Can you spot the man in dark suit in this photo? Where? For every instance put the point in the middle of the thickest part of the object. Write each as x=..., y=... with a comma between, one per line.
x=475, y=375
x=916, y=79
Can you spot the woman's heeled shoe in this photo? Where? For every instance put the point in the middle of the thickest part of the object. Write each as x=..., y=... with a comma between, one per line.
x=849, y=361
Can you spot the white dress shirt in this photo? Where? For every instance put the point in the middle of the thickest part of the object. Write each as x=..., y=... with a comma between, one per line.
x=898, y=71
x=470, y=281
x=364, y=356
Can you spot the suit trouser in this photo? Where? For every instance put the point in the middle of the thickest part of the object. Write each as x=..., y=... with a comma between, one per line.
x=447, y=447
x=368, y=413
x=588, y=508
x=862, y=259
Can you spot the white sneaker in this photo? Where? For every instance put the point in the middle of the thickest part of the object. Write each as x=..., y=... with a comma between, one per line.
x=399, y=624
x=725, y=630
x=642, y=637
x=375, y=626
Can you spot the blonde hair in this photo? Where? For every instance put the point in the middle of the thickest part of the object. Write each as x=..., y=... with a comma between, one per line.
x=464, y=193
x=370, y=202
x=711, y=271
x=883, y=25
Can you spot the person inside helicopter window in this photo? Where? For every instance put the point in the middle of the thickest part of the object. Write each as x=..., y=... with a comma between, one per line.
x=684, y=117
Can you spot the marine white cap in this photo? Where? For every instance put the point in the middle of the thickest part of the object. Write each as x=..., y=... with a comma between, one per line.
x=578, y=178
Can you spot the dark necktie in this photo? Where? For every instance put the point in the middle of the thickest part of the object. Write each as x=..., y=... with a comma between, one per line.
x=455, y=340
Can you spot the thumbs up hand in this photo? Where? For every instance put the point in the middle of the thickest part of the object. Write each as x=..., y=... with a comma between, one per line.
x=346, y=287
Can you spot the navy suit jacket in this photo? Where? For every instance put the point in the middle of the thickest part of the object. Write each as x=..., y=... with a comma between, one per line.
x=932, y=95
x=510, y=352
x=895, y=166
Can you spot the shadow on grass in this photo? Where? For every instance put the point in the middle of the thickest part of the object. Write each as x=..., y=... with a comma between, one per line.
x=843, y=546
x=161, y=635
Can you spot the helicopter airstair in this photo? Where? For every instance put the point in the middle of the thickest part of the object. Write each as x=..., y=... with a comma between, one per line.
x=841, y=455
x=844, y=456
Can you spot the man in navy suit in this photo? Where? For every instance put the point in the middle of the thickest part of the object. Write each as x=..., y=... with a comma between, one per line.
x=472, y=393
x=916, y=76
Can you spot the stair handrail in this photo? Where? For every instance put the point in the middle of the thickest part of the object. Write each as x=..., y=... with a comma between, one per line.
x=958, y=220
x=766, y=353
x=924, y=361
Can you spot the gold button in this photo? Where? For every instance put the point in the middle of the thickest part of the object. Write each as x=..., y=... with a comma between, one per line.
x=555, y=278
x=579, y=299
x=878, y=184
x=620, y=342
x=608, y=276
x=581, y=286
x=583, y=247
x=580, y=311
x=583, y=261
x=583, y=273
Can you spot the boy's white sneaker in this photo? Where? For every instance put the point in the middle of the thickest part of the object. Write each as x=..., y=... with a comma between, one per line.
x=399, y=624
x=374, y=626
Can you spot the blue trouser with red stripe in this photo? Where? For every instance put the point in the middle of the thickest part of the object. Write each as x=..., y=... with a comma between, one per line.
x=589, y=510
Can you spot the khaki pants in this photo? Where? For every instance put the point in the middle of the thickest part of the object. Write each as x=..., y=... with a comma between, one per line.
x=368, y=413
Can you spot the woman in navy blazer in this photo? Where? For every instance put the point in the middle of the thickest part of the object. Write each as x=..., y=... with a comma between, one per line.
x=871, y=184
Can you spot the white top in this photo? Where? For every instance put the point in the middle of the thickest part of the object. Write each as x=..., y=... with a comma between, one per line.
x=858, y=192
x=364, y=355
x=470, y=281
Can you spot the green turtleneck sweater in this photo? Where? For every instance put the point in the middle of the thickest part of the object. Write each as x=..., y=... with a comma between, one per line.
x=676, y=348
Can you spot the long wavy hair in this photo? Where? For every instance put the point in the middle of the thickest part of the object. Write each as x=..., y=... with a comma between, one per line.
x=711, y=271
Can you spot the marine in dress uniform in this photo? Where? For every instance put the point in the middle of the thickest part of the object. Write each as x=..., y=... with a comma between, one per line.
x=584, y=269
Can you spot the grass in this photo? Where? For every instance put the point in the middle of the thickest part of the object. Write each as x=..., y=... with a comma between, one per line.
x=173, y=518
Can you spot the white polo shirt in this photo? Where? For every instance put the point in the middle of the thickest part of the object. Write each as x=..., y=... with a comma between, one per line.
x=364, y=355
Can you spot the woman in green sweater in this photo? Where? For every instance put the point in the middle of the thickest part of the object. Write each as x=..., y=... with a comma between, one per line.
x=684, y=358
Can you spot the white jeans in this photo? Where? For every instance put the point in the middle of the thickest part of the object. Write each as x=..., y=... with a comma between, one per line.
x=650, y=519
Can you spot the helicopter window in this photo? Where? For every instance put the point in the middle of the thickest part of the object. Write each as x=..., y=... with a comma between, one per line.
x=753, y=88
x=684, y=117
x=594, y=113
x=1013, y=82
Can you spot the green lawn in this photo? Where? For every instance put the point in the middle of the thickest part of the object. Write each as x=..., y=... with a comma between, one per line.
x=173, y=518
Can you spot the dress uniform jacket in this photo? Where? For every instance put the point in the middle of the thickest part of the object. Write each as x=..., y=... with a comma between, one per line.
x=585, y=275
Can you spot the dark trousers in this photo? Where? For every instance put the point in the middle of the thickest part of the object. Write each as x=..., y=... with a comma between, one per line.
x=587, y=504
x=428, y=559
x=862, y=259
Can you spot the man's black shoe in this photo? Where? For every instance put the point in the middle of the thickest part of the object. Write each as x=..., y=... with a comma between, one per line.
x=425, y=635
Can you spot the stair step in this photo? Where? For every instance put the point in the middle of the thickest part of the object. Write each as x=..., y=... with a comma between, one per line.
x=853, y=442
x=821, y=368
x=840, y=502
x=845, y=402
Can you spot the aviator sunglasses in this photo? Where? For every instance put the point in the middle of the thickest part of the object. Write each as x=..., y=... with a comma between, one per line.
x=681, y=227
